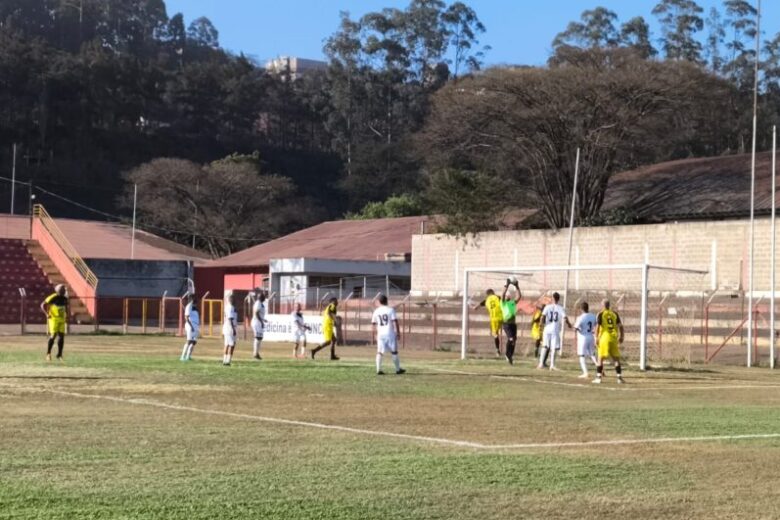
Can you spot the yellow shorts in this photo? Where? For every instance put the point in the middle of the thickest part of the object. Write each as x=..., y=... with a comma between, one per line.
x=536, y=335
x=56, y=326
x=609, y=347
x=495, y=327
x=327, y=331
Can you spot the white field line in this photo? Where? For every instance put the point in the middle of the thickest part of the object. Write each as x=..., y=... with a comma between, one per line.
x=403, y=436
x=628, y=388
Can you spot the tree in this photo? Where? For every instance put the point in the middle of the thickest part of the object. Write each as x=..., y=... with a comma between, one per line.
x=520, y=128
x=595, y=30
x=463, y=26
x=680, y=21
x=203, y=33
x=212, y=203
x=715, y=40
x=741, y=18
x=405, y=205
x=635, y=34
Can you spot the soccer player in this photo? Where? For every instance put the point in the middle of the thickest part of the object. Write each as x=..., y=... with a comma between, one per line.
x=328, y=324
x=386, y=331
x=536, y=329
x=585, y=326
x=553, y=315
x=56, y=307
x=258, y=322
x=508, y=315
x=299, y=332
x=229, y=330
x=493, y=305
x=191, y=327
x=609, y=331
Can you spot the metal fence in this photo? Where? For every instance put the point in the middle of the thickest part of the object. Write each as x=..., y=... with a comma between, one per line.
x=715, y=332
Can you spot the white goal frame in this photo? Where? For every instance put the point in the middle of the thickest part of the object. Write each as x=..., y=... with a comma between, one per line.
x=644, y=268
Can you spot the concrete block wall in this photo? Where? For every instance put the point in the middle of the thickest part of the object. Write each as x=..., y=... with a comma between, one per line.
x=720, y=247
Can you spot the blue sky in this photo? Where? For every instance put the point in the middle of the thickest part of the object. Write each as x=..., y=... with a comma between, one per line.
x=519, y=31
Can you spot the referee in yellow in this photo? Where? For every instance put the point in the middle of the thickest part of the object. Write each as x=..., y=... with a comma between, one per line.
x=609, y=331
x=56, y=307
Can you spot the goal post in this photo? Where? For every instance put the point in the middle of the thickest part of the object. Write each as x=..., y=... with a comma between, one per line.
x=672, y=295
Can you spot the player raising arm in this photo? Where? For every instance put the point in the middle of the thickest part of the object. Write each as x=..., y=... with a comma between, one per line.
x=386, y=331
x=508, y=315
x=229, y=330
x=610, y=334
x=191, y=327
x=493, y=305
x=258, y=322
x=56, y=307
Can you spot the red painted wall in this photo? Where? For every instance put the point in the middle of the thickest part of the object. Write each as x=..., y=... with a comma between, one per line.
x=243, y=281
x=210, y=279
x=73, y=278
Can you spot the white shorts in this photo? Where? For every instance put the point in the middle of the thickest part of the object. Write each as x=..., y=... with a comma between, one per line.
x=230, y=338
x=299, y=336
x=192, y=333
x=387, y=344
x=552, y=340
x=258, y=328
x=586, y=345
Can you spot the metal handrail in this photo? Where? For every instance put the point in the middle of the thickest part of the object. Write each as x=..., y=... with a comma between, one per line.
x=59, y=237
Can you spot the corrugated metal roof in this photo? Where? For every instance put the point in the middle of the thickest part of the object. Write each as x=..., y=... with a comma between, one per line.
x=108, y=240
x=714, y=187
x=337, y=240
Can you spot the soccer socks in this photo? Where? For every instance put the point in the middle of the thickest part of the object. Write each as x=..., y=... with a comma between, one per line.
x=619, y=371
x=184, y=351
x=396, y=362
x=256, y=347
x=379, y=363
x=190, y=348
x=497, y=341
x=543, y=357
x=583, y=365
x=599, y=372
x=552, y=358
x=60, y=346
x=50, y=345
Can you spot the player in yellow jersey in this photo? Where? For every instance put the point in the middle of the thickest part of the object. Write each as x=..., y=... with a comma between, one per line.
x=328, y=323
x=493, y=305
x=56, y=307
x=609, y=331
x=536, y=329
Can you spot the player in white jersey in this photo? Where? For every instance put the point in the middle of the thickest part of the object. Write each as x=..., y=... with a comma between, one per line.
x=258, y=322
x=229, y=324
x=553, y=316
x=384, y=326
x=299, y=328
x=585, y=327
x=191, y=327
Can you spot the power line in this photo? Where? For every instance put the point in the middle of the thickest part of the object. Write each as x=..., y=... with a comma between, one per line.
x=121, y=219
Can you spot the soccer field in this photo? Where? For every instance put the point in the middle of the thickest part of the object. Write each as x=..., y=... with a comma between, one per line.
x=125, y=430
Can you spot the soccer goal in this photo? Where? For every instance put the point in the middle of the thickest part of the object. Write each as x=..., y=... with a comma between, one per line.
x=660, y=307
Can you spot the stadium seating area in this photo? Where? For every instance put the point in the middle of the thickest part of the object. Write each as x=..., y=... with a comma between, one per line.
x=18, y=269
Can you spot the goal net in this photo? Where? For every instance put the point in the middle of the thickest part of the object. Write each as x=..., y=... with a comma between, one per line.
x=660, y=307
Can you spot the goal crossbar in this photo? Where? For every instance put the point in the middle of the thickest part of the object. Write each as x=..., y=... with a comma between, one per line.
x=644, y=268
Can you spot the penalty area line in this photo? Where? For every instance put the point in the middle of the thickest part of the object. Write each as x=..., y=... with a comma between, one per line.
x=409, y=437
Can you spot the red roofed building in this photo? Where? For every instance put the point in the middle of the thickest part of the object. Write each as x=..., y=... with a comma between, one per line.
x=344, y=256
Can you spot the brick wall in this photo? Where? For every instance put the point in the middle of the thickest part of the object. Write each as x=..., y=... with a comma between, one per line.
x=438, y=260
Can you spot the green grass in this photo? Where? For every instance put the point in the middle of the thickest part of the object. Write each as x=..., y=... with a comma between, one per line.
x=69, y=457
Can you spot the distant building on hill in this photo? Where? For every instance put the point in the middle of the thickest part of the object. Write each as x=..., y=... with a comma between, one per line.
x=294, y=66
